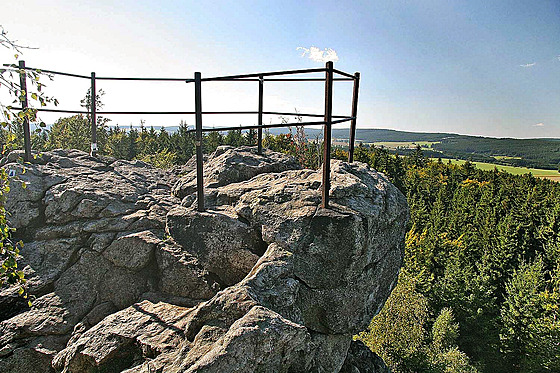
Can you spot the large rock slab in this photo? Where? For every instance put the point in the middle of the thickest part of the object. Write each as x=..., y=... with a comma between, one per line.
x=144, y=329
x=133, y=251
x=231, y=165
x=282, y=344
x=225, y=245
x=182, y=275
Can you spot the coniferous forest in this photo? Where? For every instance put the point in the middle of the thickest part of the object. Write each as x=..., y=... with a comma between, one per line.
x=480, y=286
x=479, y=289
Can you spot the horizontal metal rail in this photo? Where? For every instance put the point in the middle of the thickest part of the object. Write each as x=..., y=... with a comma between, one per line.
x=142, y=79
x=63, y=111
x=344, y=74
x=217, y=78
x=305, y=79
x=302, y=114
x=146, y=112
x=97, y=77
x=277, y=80
x=257, y=75
x=274, y=125
x=107, y=112
x=180, y=112
x=47, y=71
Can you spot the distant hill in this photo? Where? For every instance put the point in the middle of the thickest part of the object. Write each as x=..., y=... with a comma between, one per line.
x=536, y=153
x=383, y=135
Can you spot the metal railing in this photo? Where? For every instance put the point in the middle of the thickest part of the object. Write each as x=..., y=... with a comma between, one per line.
x=328, y=118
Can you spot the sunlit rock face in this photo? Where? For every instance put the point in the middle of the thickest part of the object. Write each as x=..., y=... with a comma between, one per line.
x=128, y=276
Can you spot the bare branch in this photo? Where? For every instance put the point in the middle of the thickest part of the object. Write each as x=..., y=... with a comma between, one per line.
x=11, y=44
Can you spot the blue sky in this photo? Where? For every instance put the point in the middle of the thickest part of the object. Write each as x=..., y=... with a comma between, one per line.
x=473, y=67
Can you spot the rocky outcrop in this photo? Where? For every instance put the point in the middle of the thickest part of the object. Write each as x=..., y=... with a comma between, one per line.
x=231, y=165
x=128, y=276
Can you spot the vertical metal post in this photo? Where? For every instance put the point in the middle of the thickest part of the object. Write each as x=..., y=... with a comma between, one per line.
x=24, y=105
x=327, y=135
x=354, y=115
x=93, y=115
x=198, y=141
x=259, y=133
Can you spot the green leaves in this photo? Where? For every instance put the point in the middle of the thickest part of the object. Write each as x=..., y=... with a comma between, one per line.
x=9, y=250
x=9, y=80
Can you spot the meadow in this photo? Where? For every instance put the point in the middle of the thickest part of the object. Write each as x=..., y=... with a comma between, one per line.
x=394, y=145
x=537, y=172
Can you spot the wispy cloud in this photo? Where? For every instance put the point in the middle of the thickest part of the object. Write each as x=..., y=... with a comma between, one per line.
x=558, y=58
x=529, y=64
x=319, y=55
x=538, y=125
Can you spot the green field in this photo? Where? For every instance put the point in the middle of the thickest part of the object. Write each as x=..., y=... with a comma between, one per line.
x=549, y=174
x=501, y=157
x=393, y=145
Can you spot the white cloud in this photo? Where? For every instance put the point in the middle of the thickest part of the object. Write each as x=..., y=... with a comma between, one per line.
x=529, y=64
x=318, y=55
x=538, y=125
x=558, y=58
